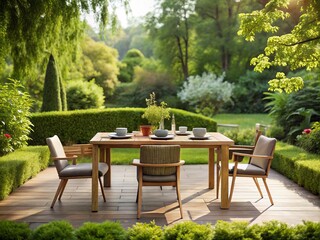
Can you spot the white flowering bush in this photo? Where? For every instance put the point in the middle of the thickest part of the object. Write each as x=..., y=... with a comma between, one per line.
x=207, y=93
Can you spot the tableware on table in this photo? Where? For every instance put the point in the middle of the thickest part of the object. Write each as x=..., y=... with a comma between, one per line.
x=178, y=133
x=161, y=132
x=116, y=136
x=136, y=133
x=145, y=130
x=121, y=131
x=183, y=129
x=206, y=137
x=169, y=136
x=199, y=132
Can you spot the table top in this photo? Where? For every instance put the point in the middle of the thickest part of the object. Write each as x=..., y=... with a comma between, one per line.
x=214, y=139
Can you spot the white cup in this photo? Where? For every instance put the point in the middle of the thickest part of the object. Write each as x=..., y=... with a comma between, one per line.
x=199, y=132
x=183, y=129
x=121, y=131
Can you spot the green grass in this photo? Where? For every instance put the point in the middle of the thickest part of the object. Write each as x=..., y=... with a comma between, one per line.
x=243, y=120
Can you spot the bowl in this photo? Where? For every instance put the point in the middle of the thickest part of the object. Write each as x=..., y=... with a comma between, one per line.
x=161, y=133
x=199, y=132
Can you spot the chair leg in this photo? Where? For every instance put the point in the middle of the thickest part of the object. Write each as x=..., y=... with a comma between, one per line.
x=102, y=190
x=178, y=191
x=232, y=188
x=139, y=194
x=269, y=194
x=61, y=186
x=258, y=186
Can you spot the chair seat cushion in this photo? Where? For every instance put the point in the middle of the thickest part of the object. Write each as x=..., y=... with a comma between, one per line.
x=167, y=178
x=82, y=170
x=247, y=169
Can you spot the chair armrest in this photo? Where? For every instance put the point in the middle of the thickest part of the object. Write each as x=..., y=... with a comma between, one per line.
x=136, y=162
x=251, y=155
x=69, y=158
x=241, y=147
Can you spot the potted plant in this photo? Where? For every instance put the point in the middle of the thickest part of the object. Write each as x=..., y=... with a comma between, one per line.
x=155, y=114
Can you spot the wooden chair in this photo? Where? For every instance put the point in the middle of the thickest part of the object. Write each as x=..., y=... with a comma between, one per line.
x=73, y=171
x=159, y=165
x=258, y=166
x=239, y=149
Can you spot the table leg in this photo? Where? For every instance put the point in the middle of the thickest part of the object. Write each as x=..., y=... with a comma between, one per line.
x=224, y=176
x=211, y=168
x=94, y=187
x=107, y=177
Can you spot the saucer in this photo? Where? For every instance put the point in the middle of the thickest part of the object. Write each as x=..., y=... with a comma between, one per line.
x=182, y=134
x=170, y=136
x=114, y=135
x=200, y=138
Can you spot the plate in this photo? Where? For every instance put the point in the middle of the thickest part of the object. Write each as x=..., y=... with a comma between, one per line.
x=114, y=135
x=170, y=136
x=200, y=138
x=182, y=134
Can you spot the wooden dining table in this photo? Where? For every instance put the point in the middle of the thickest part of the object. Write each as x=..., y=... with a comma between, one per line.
x=102, y=144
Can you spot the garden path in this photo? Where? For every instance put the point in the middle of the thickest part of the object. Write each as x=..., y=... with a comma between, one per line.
x=31, y=202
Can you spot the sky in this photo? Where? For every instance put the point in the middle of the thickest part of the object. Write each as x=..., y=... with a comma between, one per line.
x=139, y=8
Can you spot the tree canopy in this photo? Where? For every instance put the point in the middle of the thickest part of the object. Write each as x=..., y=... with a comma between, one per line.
x=297, y=48
x=30, y=28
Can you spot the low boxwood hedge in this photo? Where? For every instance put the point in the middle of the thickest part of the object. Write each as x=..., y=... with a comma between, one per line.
x=17, y=167
x=300, y=166
x=60, y=230
x=81, y=125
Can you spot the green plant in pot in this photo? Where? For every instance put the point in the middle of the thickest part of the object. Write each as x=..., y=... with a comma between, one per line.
x=156, y=114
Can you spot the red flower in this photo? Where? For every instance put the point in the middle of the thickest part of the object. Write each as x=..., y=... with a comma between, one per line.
x=306, y=131
x=7, y=135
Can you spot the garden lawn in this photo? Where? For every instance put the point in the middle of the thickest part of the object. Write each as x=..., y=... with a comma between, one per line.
x=243, y=120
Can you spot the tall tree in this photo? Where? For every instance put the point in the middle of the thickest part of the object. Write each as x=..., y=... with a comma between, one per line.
x=298, y=48
x=218, y=46
x=170, y=25
x=52, y=88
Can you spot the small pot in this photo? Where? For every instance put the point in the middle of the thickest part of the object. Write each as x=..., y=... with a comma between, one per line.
x=145, y=130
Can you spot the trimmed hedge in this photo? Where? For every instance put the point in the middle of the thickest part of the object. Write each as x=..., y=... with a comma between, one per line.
x=17, y=167
x=297, y=164
x=60, y=230
x=81, y=125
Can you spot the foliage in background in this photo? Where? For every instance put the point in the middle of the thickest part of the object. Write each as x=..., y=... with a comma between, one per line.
x=50, y=25
x=105, y=230
x=309, y=139
x=54, y=95
x=217, y=46
x=207, y=93
x=132, y=59
x=170, y=26
x=297, y=110
x=295, y=49
x=84, y=95
x=19, y=166
x=247, y=95
x=148, y=78
x=15, y=125
x=99, y=62
x=241, y=136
